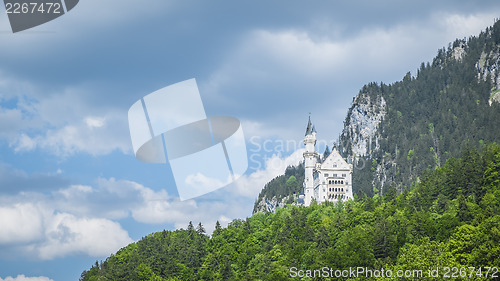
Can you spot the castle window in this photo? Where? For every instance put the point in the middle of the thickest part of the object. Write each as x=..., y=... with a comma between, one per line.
x=343, y=175
x=342, y=190
x=326, y=175
x=341, y=182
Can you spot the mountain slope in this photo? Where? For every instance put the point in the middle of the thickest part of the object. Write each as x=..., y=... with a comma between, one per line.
x=398, y=131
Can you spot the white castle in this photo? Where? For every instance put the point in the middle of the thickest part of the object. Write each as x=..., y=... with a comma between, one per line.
x=328, y=179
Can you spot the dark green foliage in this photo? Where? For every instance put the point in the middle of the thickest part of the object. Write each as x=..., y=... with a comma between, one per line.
x=442, y=222
x=429, y=118
x=177, y=253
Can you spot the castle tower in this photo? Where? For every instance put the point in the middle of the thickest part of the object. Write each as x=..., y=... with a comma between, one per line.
x=310, y=158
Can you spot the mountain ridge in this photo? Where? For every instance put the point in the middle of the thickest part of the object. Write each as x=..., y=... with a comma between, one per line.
x=418, y=123
x=395, y=132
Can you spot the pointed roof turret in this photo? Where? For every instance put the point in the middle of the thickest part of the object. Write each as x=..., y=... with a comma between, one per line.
x=310, y=128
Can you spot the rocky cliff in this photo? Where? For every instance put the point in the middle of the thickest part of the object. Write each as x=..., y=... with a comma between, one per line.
x=396, y=132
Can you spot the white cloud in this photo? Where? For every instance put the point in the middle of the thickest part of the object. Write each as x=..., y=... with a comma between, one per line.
x=256, y=129
x=66, y=234
x=80, y=137
x=374, y=49
x=24, y=143
x=78, y=219
x=25, y=278
x=250, y=185
x=205, y=183
x=39, y=231
x=223, y=205
x=76, y=192
x=157, y=211
x=21, y=223
x=322, y=73
x=118, y=199
x=94, y=122
x=13, y=118
x=463, y=26
x=62, y=123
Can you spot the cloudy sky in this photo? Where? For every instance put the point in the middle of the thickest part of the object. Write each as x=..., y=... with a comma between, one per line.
x=71, y=190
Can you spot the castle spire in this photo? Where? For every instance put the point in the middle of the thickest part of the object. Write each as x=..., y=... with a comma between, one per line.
x=310, y=128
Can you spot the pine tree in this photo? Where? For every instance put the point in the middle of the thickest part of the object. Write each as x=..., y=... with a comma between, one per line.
x=326, y=153
x=218, y=229
x=200, y=229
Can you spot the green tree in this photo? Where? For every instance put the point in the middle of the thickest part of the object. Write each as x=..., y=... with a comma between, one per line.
x=200, y=229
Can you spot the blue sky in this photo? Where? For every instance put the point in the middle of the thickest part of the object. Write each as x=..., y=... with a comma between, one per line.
x=71, y=190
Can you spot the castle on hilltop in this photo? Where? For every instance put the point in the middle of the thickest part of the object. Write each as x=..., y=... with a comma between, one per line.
x=328, y=179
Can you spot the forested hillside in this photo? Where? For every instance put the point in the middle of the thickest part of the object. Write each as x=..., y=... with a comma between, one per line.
x=451, y=218
x=281, y=190
x=398, y=131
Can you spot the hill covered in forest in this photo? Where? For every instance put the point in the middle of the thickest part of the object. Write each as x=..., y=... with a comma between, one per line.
x=398, y=131
x=451, y=218
x=395, y=132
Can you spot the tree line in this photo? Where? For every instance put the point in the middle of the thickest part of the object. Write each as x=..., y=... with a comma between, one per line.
x=450, y=217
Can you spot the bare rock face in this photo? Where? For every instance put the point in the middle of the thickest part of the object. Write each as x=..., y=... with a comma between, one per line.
x=384, y=157
x=459, y=51
x=362, y=126
x=488, y=67
x=394, y=132
x=269, y=205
